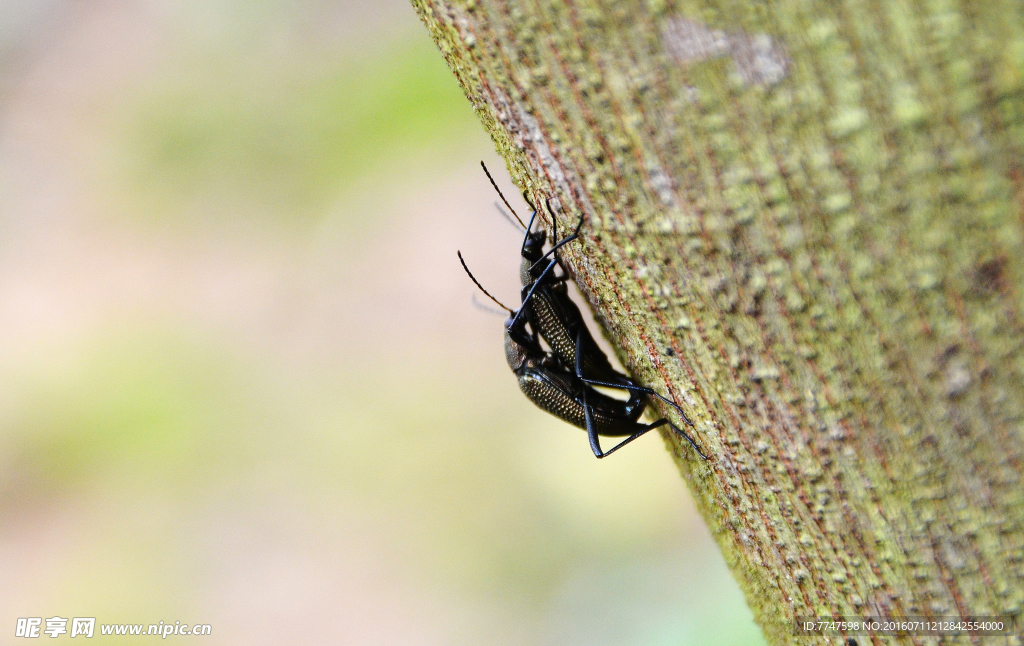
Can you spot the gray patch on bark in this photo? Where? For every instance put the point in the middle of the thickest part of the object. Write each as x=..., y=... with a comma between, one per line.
x=758, y=58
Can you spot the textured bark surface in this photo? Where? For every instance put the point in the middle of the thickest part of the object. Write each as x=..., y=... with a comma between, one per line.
x=805, y=223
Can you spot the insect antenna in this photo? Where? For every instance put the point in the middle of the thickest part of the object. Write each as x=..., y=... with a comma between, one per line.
x=495, y=185
x=477, y=283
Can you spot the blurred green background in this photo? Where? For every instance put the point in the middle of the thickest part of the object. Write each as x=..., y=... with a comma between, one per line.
x=242, y=379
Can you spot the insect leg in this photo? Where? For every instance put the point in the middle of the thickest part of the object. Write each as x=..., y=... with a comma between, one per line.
x=537, y=283
x=575, y=234
x=636, y=403
x=588, y=416
x=529, y=226
x=595, y=443
x=633, y=389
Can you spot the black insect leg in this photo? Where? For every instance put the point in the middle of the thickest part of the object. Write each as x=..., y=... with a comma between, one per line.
x=529, y=226
x=537, y=283
x=552, y=263
x=633, y=389
x=595, y=442
x=558, y=245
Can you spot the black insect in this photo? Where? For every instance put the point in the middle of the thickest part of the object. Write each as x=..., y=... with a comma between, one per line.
x=561, y=381
x=553, y=315
x=549, y=310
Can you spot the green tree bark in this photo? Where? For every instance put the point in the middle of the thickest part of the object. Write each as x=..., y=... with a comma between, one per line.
x=805, y=222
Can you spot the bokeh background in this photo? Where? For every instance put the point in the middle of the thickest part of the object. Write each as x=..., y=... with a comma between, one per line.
x=242, y=381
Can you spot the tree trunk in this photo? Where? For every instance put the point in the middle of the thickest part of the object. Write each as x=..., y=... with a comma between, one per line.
x=805, y=223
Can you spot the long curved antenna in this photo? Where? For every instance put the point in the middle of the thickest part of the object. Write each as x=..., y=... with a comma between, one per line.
x=477, y=283
x=488, y=173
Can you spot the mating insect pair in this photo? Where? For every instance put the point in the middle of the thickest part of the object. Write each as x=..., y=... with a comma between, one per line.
x=562, y=381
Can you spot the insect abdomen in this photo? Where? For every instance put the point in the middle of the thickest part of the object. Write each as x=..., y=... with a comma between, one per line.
x=563, y=399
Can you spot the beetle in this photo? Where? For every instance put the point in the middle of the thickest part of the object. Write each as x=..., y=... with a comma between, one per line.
x=545, y=300
x=556, y=318
x=567, y=395
x=562, y=381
